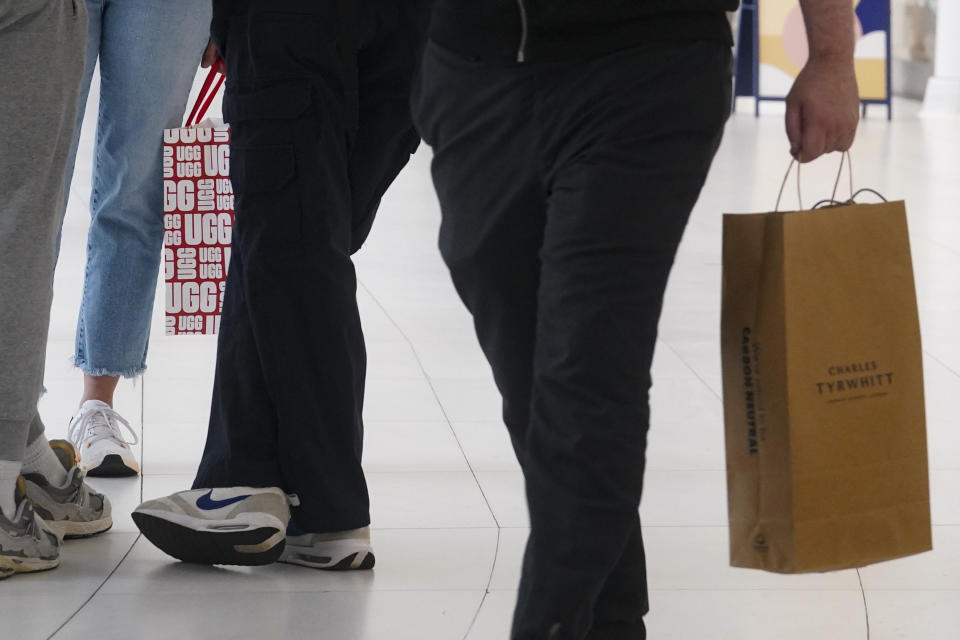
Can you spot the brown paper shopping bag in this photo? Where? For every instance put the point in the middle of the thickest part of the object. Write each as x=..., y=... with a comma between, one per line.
x=823, y=389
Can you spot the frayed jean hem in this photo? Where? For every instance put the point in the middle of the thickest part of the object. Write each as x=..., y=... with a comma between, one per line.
x=98, y=372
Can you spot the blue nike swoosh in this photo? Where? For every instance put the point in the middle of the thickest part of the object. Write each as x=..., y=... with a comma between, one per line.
x=207, y=503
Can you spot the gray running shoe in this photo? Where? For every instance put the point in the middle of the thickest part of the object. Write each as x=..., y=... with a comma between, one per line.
x=26, y=544
x=340, y=551
x=73, y=510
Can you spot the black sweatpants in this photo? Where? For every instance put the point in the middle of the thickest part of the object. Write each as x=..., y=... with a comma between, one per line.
x=565, y=189
x=291, y=362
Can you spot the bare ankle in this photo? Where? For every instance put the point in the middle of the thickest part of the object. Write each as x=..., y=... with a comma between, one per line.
x=99, y=388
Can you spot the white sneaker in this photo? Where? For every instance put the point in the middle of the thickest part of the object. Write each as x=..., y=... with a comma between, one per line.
x=95, y=432
x=232, y=525
x=340, y=551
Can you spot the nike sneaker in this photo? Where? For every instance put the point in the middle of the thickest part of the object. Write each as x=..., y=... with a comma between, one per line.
x=95, y=431
x=232, y=525
x=72, y=510
x=26, y=544
x=340, y=551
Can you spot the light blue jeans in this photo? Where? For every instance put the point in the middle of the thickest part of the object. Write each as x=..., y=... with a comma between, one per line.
x=149, y=51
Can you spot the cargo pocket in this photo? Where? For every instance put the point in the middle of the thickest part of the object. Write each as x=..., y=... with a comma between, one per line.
x=264, y=170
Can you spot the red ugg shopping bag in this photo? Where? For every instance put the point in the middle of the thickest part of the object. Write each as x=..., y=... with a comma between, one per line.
x=197, y=218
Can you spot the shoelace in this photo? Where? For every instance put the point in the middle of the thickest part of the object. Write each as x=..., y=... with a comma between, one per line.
x=33, y=529
x=79, y=496
x=100, y=424
x=25, y=515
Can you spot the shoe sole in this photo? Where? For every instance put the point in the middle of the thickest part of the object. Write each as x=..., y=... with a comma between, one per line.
x=349, y=563
x=10, y=565
x=249, y=548
x=112, y=466
x=70, y=530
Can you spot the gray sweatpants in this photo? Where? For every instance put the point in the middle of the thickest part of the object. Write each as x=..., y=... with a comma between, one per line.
x=42, y=47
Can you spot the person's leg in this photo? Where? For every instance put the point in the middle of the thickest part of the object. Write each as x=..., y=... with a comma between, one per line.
x=288, y=398
x=293, y=230
x=630, y=138
x=94, y=20
x=385, y=137
x=623, y=597
x=241, y=451
x=100, y=388
x=243, y=418
x=40, y=458
x=149, y=53
x=480, y=123
x=493, y=197
x=378, y=149
x=285, y=410
x=41, y=45
x=68, y=499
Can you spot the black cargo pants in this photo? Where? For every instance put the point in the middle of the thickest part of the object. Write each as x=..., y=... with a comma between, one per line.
x=565, y=189
x=317, y=137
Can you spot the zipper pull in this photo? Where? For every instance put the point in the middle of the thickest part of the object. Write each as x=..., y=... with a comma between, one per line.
x=524, y=30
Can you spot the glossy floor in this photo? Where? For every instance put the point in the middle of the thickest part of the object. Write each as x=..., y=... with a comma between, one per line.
x=449, y=515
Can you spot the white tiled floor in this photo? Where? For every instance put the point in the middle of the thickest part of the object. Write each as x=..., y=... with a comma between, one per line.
x=447, y=494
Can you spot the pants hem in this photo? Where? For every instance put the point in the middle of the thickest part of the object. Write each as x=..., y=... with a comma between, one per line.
x=106, y=371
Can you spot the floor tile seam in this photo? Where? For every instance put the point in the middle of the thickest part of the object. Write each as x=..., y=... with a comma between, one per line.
x=493, y=571
x=941, y=363
x=375, y=528
x=724, y=590
x=476, y=615
x=866, y=607
x=137, y=535
x=96, y=591
x=664, y=469
x=911, y=589
x=143, y=428
x=383, y=421
x=368, y=472
x=420, y=472
x=655, y=468
x=656, y=422
x=456, y=437
x=418, y=376
x=945, y=247
x=436, y=396
x=692, y=370
x=432, y=423
x=298, y=591
x=457, y=379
